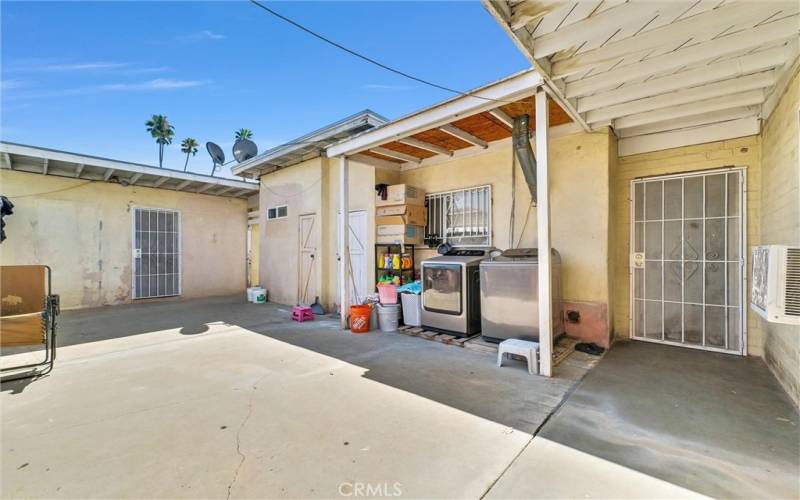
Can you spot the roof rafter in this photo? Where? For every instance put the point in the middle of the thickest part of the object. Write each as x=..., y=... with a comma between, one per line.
x=464, y=135
x=690, y=109
x=395, y=154
x=766, y=33
x=674, y=34
x=710, y=91
x=501, y=115
x=427, y=146
x=722, y=70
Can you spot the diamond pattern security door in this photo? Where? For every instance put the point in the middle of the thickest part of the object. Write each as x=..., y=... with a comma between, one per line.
x=687, y=260
x=156, y=253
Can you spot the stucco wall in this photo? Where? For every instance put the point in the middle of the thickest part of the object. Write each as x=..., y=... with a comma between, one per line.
x=361, y=196
x=780, y=222
x=300, y=188
x=311, y=187
x=579, y=182
x=82, y=230
x=743, y=152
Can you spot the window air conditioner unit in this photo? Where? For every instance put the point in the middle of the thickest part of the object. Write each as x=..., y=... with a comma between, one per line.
x=775, y=293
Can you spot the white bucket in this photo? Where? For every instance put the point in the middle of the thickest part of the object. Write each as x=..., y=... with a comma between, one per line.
x=389, y=317
x=412, y=309
x=255, y=293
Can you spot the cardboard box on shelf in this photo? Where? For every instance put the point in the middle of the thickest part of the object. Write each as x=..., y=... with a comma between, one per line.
x=415, y=215
x=401, y=194
x=400, y=234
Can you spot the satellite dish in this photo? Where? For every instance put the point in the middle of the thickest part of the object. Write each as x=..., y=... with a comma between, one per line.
x=244, y=149
x=217, y=155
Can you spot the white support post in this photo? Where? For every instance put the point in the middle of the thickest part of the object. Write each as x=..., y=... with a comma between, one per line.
x=344, y=239
x=543, y=228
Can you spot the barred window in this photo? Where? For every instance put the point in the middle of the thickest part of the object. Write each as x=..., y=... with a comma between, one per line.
x=462, y=217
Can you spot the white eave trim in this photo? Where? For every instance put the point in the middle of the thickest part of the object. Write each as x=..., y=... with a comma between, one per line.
x=81, y=163
x=507, y=90
x=279, y=153
x=689, y=136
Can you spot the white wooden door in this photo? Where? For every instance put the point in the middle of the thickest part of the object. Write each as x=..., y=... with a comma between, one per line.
x=306, y=265
x=358, y=281
x=687, y=260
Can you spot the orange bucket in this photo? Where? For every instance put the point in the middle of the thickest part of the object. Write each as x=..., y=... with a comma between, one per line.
x=359, y=318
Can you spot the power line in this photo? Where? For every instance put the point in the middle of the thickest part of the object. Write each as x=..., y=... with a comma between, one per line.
x=369, y=59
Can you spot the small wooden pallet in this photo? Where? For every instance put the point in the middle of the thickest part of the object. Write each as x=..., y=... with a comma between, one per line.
x=561, y=351
x=443, y=338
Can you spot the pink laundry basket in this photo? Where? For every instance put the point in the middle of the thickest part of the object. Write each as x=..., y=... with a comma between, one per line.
x=387, y=293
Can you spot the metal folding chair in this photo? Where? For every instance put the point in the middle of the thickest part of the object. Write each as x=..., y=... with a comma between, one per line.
x=28, y=311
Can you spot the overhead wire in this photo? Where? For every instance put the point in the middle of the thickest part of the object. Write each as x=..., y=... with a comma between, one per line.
x=369, y=59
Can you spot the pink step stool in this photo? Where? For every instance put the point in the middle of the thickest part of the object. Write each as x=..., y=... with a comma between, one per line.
x=302, y=313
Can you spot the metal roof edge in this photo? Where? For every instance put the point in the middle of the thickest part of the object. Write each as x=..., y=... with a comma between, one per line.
x=273, y=153
x=126, y=166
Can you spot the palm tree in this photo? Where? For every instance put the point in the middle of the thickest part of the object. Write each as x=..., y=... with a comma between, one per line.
x=244, y=133
x=159, y=128
x=189, y=147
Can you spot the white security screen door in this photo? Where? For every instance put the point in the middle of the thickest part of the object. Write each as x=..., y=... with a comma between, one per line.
x=156, y=253
x=687, y=260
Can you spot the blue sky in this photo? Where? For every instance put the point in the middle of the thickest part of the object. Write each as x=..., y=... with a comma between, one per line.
x=85, y=77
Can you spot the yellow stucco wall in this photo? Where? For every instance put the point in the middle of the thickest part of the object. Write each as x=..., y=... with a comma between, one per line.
x=82, y=230
x=743, y=152
x=300, y=188
x=311, y=187
x=579, y=179
x=780, y=222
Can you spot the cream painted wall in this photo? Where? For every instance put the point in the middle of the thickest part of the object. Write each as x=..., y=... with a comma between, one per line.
x=362, y=180
x=82, y=230
x=300, y=188
x=743, y=152
x=311, y=187
x=780, y=222
x=579, y=177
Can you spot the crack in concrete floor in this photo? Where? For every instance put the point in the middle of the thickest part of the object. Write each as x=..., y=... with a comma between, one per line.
x=242, y=456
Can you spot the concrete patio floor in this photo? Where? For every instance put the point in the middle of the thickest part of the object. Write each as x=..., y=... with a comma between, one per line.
x=217, y=398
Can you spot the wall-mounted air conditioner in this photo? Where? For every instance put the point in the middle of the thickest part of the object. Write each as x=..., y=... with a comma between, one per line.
x=775, y=293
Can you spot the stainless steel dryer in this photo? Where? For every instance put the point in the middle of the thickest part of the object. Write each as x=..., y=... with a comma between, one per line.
x=510, y=295
x=451, y=291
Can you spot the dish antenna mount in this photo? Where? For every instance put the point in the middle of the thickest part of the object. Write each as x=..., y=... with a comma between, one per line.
x=217, y=155
x=244, y=149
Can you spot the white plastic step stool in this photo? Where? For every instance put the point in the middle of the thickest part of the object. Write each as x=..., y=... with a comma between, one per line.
x=529, y=350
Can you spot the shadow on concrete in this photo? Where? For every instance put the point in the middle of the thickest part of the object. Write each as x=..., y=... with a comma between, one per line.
x=450, y=375
x=717, y=424
x=713, y=423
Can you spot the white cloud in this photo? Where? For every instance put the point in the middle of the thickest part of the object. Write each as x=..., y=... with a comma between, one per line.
x=144, y=70
x=11, y=84
x=201, y=35
x=158, y=84
x=49, y=66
